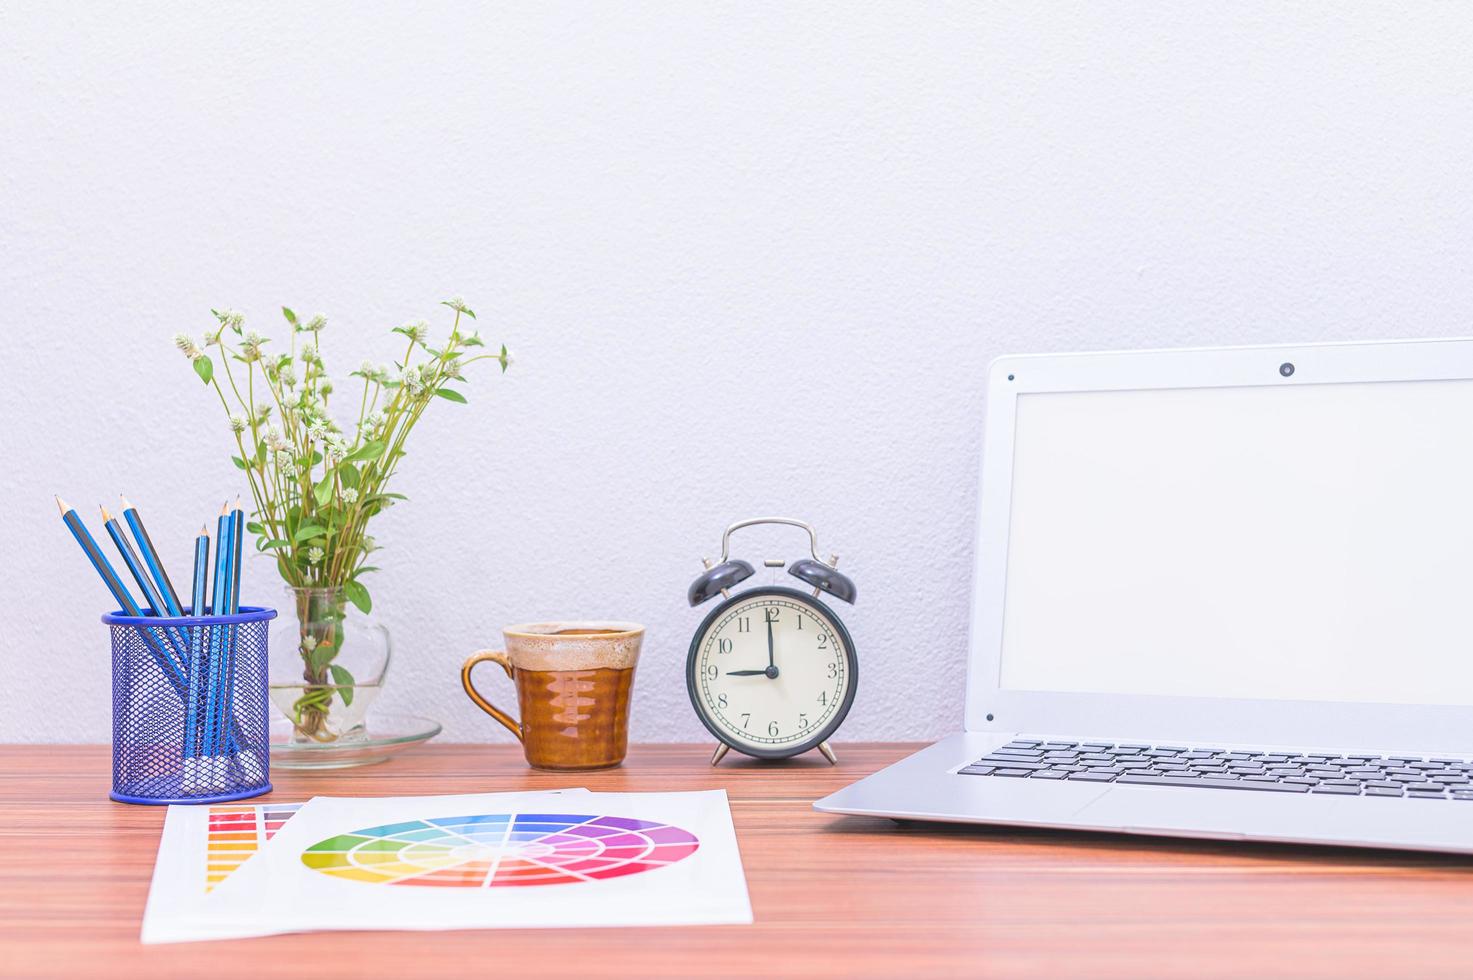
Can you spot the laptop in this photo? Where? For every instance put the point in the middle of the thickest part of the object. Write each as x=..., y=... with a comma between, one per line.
x=1218, y=593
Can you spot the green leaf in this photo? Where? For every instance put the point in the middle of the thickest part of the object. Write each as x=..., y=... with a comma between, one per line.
x=474, y=340
x=290, y=316
x=323, y=490
x=255, y=528
x=366, y=569
x=369, y=450
x=274, y=543
x=450, y=395
x=240, y=464
x=204, y=367
x=358, y=595
x=310, y=531
x=504, y=360
x=344, y=681
x=321, y=655
x=348, y=474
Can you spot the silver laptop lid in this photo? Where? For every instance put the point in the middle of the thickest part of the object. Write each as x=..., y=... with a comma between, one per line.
x=1250, y=545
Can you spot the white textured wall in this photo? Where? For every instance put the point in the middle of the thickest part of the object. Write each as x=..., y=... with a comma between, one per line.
x=753, y=258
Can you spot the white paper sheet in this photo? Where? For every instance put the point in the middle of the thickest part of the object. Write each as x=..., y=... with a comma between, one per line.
x=203, y=845
x=456, y=862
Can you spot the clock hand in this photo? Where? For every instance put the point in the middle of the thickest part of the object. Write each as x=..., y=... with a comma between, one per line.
x=770, y=664
x=766, y=672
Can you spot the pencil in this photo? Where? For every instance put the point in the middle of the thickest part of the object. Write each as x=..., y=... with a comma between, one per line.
x=213, y=704
x=99, y=562
x=151, y=558
x=194, y=711
x=232, y=607
x=237, y=535
x=130, y=558
x=178, y=644
x=172, y=670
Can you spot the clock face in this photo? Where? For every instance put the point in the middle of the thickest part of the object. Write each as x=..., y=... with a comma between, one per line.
x=772, y=672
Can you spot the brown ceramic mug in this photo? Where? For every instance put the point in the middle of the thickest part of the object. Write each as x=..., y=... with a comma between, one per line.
x=573, y=682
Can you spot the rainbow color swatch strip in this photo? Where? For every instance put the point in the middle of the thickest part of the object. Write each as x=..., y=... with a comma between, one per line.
x=237, y=832
x=501, y=849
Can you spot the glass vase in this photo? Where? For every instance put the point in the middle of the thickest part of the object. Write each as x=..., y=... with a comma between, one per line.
x=328, y=661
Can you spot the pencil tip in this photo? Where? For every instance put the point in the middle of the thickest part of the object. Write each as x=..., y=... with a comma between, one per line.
x=225, y=508
x=126, y=505
x=105, y=515
x=204, y=530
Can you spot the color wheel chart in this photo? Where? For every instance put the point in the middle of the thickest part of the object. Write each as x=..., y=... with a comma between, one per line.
x=237, y=832
x=501, y=849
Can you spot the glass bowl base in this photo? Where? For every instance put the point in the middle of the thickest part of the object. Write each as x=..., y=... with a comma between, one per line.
x=382, y=737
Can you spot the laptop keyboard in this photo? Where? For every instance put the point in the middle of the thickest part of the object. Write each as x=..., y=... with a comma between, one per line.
x=1405, y=776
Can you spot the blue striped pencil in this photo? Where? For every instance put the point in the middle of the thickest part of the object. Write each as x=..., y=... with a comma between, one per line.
x=151, y=558
x=135, y=565
x=214, y=706
x=172, y=671
x=178, y=642
x=194, y=711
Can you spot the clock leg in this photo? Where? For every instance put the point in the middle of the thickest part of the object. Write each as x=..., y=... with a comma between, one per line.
x=721, y=751
x=828, y=753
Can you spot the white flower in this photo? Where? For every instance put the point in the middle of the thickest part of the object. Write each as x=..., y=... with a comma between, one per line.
x=366, y=369
x=350, y=495
x=369, y=544
x=317, y=323
x=250, y=346
x=417, y=331
x=452, y=369
x=457, y=304
x=263, y=413
x=309, y=353
x=412, y=380
x=237, y=423
x=335, y=447
x=382, y=373
x=314, y=555
x=284, y=459
x=309, y=643
x=373, y=420
x=185, y=343
x=287, y=376
x=275, y=441
x=231, y=318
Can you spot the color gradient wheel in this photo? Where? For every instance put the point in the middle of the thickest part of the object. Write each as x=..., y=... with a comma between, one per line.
x=493, y=850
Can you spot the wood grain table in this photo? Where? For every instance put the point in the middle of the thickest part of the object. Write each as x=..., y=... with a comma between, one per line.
x=833, y=896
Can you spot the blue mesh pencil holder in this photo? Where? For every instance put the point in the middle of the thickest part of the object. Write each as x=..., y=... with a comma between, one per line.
x=190, y=707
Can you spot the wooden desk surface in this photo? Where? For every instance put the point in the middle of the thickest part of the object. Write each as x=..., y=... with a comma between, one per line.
x=832, y=896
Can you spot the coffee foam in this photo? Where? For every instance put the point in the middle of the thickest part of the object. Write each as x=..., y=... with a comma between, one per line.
x=546, y=646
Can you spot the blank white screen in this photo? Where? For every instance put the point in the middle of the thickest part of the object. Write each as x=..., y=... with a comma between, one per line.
x=1301, y=542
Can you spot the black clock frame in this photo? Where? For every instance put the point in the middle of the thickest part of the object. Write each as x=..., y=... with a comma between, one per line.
x=851, y=655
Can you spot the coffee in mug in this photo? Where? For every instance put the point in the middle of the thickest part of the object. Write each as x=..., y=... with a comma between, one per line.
x=573, y=682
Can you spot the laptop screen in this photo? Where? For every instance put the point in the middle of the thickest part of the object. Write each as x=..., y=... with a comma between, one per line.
x=1294, y=542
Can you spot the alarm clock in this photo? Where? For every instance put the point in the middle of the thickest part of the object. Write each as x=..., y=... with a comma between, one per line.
x=772, y=670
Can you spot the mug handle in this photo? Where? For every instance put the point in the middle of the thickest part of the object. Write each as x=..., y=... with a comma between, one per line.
x=495, y=656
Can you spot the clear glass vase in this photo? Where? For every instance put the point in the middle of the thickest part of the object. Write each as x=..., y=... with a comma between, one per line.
x=328, y=662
